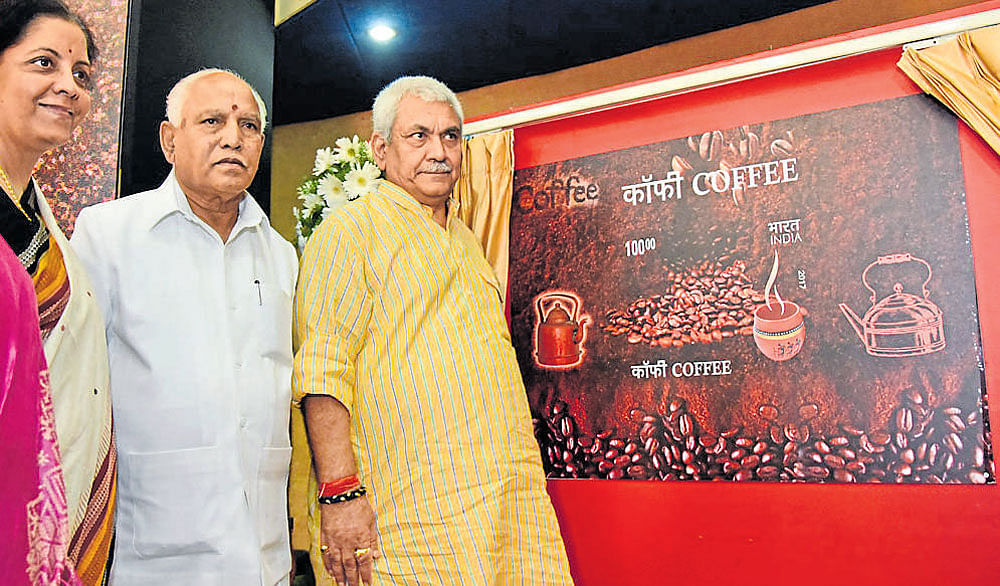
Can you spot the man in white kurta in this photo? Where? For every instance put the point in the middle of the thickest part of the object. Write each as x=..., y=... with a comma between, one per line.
x=196, y=289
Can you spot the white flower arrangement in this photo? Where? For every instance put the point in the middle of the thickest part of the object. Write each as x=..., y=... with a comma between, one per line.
x=339, y=175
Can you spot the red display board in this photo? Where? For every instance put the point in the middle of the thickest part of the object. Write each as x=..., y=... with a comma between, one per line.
x=642, y=532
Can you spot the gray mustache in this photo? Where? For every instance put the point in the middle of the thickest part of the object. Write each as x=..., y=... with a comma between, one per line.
x=438, y=167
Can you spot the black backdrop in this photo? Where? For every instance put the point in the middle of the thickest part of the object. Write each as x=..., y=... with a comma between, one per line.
x=166, y=41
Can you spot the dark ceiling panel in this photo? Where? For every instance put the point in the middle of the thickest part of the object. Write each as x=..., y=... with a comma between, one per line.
x=326, y=64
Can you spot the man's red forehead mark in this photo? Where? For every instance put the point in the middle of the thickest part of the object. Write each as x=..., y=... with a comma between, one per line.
x=235, y=107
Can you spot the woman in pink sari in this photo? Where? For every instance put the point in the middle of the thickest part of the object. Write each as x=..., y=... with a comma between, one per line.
x=34, y=528
x=55, y=504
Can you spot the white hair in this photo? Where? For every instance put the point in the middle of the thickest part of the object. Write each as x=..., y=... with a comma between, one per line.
x=386, y=105
x=178, y=95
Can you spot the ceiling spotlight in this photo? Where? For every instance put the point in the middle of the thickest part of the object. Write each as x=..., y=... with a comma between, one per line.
x=381, y=33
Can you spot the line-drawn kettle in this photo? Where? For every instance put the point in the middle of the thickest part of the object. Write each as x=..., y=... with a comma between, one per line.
x=901, y=324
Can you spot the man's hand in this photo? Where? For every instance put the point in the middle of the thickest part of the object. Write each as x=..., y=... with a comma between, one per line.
x=348, y=529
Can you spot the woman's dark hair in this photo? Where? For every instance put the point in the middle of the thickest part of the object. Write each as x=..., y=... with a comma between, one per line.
x=17, y=15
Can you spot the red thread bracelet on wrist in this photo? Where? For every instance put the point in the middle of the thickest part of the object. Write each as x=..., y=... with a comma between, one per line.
x=339, y=486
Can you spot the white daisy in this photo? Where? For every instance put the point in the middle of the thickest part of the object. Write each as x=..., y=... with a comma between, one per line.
x=332, y=191
x=361, y=181
x=325, y=158
x=311, y=202
x=348, y=149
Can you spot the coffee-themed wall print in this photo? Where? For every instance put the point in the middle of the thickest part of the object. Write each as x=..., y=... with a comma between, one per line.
x=782, y=301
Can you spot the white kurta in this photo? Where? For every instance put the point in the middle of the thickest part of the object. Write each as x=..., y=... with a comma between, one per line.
x=199, y=339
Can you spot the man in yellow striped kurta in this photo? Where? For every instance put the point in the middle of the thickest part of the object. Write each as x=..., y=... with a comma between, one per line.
x=408, y=379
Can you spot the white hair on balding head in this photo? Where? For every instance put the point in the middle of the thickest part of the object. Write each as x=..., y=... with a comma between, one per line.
x=178, y=95
x=386, y=104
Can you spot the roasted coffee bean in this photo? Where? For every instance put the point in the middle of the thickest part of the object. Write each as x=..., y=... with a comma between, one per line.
x=977, y=477
x=856, y=467
x=932, y=454
x=705, y=145
x=680, y=165
x=902, y=469
x=838, y=441
x=768, y=412
x=753, y=146
x=953, y=442
x=808, y=411
x=843, y=476
x=904, y=419
x=834, y=461
x=715, y=145
x=955, y=423
x=781, y=148
x=852, y=431
x=684, y=424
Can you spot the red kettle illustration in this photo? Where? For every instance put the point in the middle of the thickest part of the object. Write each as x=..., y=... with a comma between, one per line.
x=560, y=332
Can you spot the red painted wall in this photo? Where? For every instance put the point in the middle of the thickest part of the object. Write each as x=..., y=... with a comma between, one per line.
x=651, y=533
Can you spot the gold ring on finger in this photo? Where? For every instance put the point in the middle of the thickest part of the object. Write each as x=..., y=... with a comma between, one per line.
x=324, y=548
x=361, y=552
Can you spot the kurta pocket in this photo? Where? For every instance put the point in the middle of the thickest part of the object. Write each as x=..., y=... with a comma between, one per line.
x=272, y=512
x=178, y=504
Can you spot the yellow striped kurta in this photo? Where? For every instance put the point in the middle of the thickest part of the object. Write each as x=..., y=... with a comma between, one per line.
x=402, y=321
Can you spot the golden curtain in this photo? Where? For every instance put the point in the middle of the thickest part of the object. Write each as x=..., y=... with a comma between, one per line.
x=485, y=193
x=964, y=73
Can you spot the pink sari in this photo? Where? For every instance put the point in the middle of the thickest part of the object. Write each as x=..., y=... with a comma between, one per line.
x=34, y=526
